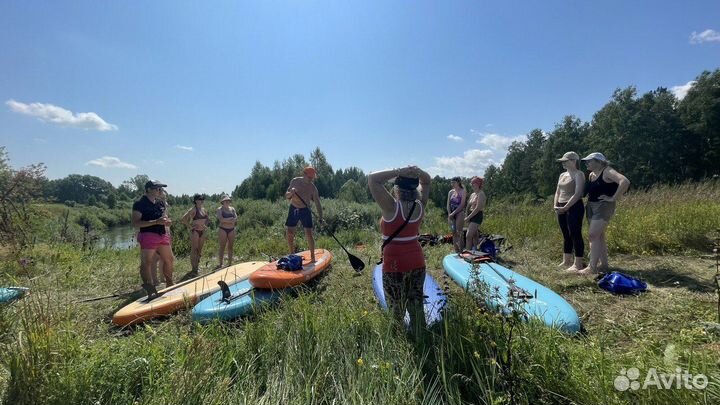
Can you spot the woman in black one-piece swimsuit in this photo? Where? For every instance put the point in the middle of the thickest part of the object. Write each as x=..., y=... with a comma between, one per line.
x=604, y=188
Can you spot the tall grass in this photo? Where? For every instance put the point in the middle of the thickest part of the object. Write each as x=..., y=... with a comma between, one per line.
x=662, y=220
x=304, y=352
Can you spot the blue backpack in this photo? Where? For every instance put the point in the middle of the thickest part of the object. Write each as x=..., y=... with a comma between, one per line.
x=620, y=283
x=290, y=263
x=489, y=247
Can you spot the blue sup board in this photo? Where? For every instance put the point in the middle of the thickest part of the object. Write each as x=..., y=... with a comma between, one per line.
x=244, y=299
x=10, y=294
x=538, y=301
x=434, y=301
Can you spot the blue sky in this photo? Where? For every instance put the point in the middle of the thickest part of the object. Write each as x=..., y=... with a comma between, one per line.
x=193, y=93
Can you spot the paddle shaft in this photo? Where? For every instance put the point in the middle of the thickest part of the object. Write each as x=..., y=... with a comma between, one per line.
x=511, y=285
x=101, y=298
x=178, y=285
x=350, y=256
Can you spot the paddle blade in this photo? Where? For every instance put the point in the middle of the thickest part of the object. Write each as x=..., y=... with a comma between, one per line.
x=356, y=263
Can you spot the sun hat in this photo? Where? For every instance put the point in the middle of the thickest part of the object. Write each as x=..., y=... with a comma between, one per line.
x=597, y=156
x=569, y=156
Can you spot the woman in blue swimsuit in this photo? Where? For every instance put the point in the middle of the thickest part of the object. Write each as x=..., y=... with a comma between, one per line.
x=227, y=218
x=198, y=220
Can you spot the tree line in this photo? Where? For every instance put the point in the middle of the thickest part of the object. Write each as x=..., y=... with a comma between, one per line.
x=653, y=138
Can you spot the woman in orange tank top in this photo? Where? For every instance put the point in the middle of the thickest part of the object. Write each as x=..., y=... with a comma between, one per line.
x=403, y=259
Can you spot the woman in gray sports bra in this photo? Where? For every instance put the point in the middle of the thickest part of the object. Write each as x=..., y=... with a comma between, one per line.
x=227, y=218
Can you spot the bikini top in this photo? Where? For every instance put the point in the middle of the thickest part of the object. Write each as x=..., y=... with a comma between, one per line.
x=199, y=215
x=228, y=214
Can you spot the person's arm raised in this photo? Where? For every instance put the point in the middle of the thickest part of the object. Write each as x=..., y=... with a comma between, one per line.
x=425, y=181
x=376, y=183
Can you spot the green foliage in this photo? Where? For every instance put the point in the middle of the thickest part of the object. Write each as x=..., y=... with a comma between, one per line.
x=348, y=216
x=84, y=189
x=652, y=139
x=352, y=191
x=700, y=112
x=19, y=190
x=271, y=184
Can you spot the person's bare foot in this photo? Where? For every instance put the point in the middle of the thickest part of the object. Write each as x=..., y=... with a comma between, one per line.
x=567, y=261
x=577, y=265
x=572, y=269
x=587, y=271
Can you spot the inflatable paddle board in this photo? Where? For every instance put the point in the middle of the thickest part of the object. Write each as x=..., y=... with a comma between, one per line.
x=181, y=295
x=434, y=300
x=537, y=300
x=271, y=277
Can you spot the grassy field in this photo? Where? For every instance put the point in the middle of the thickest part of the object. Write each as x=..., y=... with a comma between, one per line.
x=329, y=343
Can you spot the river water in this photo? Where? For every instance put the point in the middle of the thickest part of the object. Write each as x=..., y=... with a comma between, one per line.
x=118, y=237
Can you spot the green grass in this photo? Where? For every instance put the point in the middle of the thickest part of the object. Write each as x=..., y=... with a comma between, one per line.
x=331, y=343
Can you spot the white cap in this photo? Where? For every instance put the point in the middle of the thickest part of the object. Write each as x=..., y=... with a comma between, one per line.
x=569, y=156
x=597, y=156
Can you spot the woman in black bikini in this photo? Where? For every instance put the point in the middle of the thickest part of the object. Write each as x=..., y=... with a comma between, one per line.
x=476, y=206
x=227, y=217
x=198, y=220
x=456, y=208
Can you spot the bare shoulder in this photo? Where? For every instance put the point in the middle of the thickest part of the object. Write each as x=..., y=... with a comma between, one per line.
x=611, y=174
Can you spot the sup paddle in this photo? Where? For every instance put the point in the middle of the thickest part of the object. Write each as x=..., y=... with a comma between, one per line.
x=355, y=261
x=150, y=290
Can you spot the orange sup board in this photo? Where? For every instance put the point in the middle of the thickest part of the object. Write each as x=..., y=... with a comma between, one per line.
x=182, y=295
x=270, y=277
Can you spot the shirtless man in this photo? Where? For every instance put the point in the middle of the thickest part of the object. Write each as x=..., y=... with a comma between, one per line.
x=300, y=190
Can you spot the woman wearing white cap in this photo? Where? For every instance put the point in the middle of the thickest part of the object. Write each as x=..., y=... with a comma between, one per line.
x=605, y=186
x=227, y=218
x=570, y=210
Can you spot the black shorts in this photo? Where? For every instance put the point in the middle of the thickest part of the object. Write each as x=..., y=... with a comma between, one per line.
x=296, y=215
x=478, y=218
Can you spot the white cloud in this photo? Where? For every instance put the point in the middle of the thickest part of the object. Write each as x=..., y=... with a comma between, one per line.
x=498, y=142
x=454, y=138
x=473, y=162
x=111, y=162
x=705, y=36
x=681, y=91
x=58, y=115
x=185, y=148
